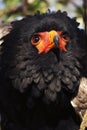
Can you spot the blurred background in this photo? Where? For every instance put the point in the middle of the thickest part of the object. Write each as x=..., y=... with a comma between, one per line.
x=16, y=9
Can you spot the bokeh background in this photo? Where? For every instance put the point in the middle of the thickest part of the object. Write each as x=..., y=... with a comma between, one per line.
x=16, y=9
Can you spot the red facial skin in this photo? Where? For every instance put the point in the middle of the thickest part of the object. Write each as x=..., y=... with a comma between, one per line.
x=44, y=42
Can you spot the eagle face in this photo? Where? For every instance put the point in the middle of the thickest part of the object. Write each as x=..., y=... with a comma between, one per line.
x=41, y=55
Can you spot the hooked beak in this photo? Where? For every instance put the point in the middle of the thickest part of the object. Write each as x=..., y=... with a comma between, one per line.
x=51, y=41
x=56, y=40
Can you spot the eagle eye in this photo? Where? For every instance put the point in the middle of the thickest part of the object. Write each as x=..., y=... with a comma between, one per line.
x=65, y=35
x=35, y=38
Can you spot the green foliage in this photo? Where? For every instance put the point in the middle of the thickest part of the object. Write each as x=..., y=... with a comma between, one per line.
x=19, y=8
x=11, y=2
x=16, y=8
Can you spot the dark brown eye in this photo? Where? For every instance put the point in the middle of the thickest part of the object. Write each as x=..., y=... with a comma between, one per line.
x=65, y=35
x=35, y=38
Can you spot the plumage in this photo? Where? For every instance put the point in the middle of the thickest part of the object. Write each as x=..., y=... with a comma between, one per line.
x=36, y=87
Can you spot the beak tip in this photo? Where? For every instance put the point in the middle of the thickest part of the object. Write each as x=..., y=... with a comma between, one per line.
x=55, y=40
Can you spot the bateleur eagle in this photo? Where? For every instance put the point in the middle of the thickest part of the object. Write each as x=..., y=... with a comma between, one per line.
x=41, y=63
